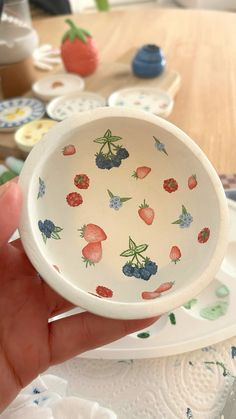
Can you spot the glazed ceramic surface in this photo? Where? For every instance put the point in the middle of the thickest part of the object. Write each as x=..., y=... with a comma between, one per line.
x=147, y=99
x=65, y=106
x=18, y=111
x=123, y=214
x=30, y=134
x=56, y=85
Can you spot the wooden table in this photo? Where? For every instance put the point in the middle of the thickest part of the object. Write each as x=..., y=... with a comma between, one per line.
x=200, y=45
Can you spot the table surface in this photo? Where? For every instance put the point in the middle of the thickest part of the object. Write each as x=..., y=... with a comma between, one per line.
x=200, y=45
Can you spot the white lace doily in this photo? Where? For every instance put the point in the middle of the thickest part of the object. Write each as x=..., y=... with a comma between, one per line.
x=193, y=385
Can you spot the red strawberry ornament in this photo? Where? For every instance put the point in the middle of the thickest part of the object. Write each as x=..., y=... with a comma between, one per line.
x=78, y=51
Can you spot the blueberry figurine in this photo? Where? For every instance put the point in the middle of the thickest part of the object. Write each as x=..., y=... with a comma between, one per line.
x=149, y=61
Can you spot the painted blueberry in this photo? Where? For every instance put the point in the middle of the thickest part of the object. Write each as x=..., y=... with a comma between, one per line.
x=116, y=203
x=160, y=146
x=128, y=269
x=151, y=267
x=136, y=272
x=108, y=164
x=145, y=274
x=116, y=161
x=185, y=220
x=49, y=225
x=41, y=226
x=122, y=153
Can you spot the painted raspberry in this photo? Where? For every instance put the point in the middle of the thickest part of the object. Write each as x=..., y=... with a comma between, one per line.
x=81, y=181
x=204, y=235
x=74, y=199
x=170, y=185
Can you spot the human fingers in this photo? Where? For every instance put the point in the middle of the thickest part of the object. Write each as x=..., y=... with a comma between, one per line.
x=10, y=207
x=79, y=333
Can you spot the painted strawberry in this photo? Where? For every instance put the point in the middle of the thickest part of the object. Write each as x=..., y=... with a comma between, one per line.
x=92, y=253
x=69, y=150
x=204, y=235
x=78, y=51
x=170, y=185
x=175, y=254
x=150, y=295
x=81, y=181
x=141, y=172
x=192, y=182
x=92, y=233
x=74, y=199
x=104, y=291
x=146, y=213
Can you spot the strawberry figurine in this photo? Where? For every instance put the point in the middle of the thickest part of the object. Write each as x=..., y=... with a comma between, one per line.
x=78, y=51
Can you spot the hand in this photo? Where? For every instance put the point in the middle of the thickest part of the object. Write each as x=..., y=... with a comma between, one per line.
x=28, y=343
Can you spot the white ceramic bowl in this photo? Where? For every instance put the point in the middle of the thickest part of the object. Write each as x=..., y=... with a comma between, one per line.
x=84, y=231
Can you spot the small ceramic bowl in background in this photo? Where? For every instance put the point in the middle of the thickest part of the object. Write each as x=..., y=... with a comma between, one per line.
x=57, y=85
x=30, y=134
x=65, y=106
x=123, y=214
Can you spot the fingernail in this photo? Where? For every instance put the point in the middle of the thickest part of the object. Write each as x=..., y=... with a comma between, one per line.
x=4, y=188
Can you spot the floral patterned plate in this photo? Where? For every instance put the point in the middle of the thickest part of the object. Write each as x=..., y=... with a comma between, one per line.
x=19, y=111
x=123, y=214
x=147, y=99
x=65, y=106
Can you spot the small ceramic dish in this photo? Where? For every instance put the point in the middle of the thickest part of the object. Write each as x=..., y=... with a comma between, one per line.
x=57, y=85
x=65, y=106
x=30, y=134
x=147, y=99
x=123, y=214
x=19, y=111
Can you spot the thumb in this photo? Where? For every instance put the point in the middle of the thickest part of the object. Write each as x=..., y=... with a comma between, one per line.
x=10, y=207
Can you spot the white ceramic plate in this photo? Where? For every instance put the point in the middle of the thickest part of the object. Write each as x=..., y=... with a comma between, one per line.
x=65, y=106
x=19, y=111
x=147, y=99
x=191, y=330
x=29, y=134
x=114, y=192
x=57, y=85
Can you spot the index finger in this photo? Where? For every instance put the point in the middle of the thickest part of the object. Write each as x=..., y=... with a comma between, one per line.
x=10, y=207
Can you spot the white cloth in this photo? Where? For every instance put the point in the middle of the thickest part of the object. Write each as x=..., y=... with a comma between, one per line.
x=46, y=398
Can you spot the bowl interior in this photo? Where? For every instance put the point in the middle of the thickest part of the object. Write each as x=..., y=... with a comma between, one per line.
x=105, y=231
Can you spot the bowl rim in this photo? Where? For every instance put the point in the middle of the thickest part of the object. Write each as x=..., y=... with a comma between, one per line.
x=79, y=297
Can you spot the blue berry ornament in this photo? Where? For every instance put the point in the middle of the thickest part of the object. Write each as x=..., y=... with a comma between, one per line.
x=149, y=61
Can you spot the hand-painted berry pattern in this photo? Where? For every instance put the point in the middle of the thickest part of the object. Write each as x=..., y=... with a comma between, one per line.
x=170, y=185
x=146, y=213
x=185, y=218
x=42, y=188
x=204, y=235
x=110, y=154
x=175, y=254
x=49, y=230
x=192, y=182
x=81, y=181
x=116, y=202
x=92, y=253
x=141, y=172
x=138, y=266
x=69, y=150
x=104, y=291
x=74, y=199
x=92, y=233
x=160, y=146
x=151, y=295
